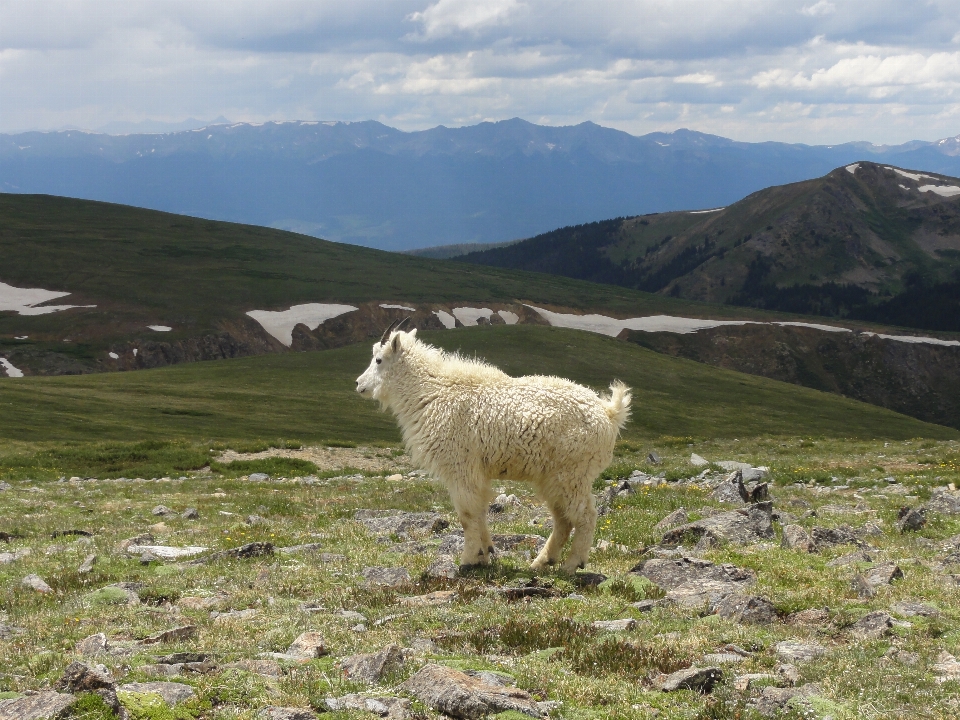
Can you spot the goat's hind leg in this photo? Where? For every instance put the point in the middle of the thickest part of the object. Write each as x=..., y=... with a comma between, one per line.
x=550, y=553
x=583, y=513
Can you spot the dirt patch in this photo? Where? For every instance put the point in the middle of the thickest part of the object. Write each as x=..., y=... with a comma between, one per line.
x=368, y=459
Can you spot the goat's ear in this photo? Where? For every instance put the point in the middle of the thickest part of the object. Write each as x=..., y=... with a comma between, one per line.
x=413, y=333
x=396, y=342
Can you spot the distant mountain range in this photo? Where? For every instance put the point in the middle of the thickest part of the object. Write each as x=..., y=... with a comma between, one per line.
x=369, y=184
x=866, y=241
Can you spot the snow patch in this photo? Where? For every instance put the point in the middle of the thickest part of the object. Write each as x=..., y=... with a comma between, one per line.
x=398, y=307
x=852, y=169
x=508, y=317
x=160, y=328
x=915, y=339
x=20, y=337
x=815, y=326
x=613, y=326
x=903, y=186
x=448, y=320
x=280, y=324
x=469, y=316
x=10, y=369
x=913, y=176
x=25, y=300
x=113, y=355
x=944, y=190
x=134, y=352
x=701, y=212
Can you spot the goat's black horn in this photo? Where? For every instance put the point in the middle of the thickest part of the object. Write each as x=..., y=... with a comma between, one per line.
x=403, y=322
x=386, y=333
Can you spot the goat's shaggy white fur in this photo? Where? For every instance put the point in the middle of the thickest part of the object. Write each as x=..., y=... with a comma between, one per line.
x=467, y=423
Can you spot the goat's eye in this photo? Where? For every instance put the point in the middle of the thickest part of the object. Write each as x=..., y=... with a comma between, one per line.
x=379, y=361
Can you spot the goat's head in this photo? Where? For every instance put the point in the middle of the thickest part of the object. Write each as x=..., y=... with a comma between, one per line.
x=386, y=353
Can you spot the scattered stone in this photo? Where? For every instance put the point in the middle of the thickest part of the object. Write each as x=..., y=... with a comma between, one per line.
x=308, y=645
x=9, y=632
x=747, y=609
x=256, y=520
x=829, y=537
x=93, y=645
x=677, y=517
x=947, y=667
x=615, y=625
x=373, y=667
x=439, y=597
x=588, y=579
x=700, y=679
x=872, y=626
x=653, y=458
x=773, y=699
x=528, y=588
x=234, y=615
x=396, y=522
x=745, y=683
x=299, y=549
x=250, y=550
x=393, y=577
x=171, y=692
x=731, y=490
x=796, y=537
x=258, y=477
x=273, y=712
x=670, y=574
x=644, y=605
x=202, y=603
x=190, y=514
x=166, y=552
x=444, y=567
x=389, y=707
x=147, y=557
x=142, y=539
x=87, y=566
x=184, y=632
x=723, y=658
x=10, y=557
x=45, y=705
x=914, y=609
x=944, y=500
x=911, y=519
x=903, y=656
x=35, y=582
x=793, y=652
x=857, y=556
x=698, y=461
x=455, y=693
x=883, y=574
x=80, y=678
x=701, y=594
x=162, y=510
x=741, y=527
x=811, y=616
x=862, y=587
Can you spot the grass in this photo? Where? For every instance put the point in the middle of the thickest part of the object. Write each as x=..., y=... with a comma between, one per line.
x=548, y=645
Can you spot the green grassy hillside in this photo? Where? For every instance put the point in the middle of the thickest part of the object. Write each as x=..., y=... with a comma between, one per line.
x=310, y=396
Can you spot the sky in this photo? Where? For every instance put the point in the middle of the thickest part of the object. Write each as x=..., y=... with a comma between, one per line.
x=813, y=71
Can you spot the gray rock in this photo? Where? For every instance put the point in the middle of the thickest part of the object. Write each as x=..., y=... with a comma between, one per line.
x=944, y=500
x=914, y=609
x=700, y=679
x=266, y=668
x=829, y=537
x=396, y=522
x=444, y=567
x=258, y=477
x=9, y=632
x=810, y=616
x=47, y=705
x=644, y=605
x=455, y=693
x=723, y=658
x=653, y=458
x=172, y=693
x=797, y=538
x=615, y=625
x=883, y=574
x=389, y=707
x=669, y=574
x=307, y=645
x=677, y=517
x=773, y=699
x=37, y=583
x=862, y=587
x=873, y=626
x=11, y=557
x=256, y=520
x=911, y=519
x=701, y=594
x=798, y=652
x=87, y=566
x=698, y=461
x=250, y=550
x=81, y=678
x=393, y=577
x=857, y=556
x=183, y=632
x=301, y=549
x=744, y=526
x=272, y=712
x=373, y=667
x=731, y=490
x=165, y=552
x=162, y=510
x=93, y=645
x=747, y=609
x=190, y=514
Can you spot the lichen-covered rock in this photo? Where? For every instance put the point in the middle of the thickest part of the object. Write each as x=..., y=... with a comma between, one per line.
x=669, y=574
x=747, y=609
x=873, y=626
x=46, y=705
x=308, y=645
x=397, y=522
x=911, y=519
x=81, y=678
x=457, y=694
x=172, y=693
x=793, y=651
x=743, y=526
x=797, y=538
x=373, y=667
x=700, y=679
x=392, y=577
x=393, y=708
x=677, y=517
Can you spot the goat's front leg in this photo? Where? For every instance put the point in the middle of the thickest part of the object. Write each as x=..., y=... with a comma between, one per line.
x=470, y=502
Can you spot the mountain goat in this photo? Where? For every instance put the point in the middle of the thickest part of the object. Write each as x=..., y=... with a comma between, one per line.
x=467, y=423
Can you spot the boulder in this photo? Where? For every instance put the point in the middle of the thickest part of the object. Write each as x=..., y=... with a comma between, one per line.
x=87, y=565
x=677, y=517
x=747, y=609
x=796, y=537
x=773, y=699
x=829, y=537
x=386, y=577
x=914, y=609
x=744, y=526
x=389, y=707
x=701, y=594
x=946, y=667
x=792, y=651
x=161, y=511
x=35, y=582
x=810, y=616
x=857, y=556
x=883, y=574
x=166, y=552
x=81, y=678
x=93, y=645
x=872, y=626
x=397, y=522
x=698, y=461
x=670, y=574
x=457, y=694
x=731, y=490
x=700, y=679
x=184, y=632
x=172, y=693
x=444, y=567
x=273, y=712
x=47, y=705
x=307, y=646
x=944, y=500
x=250, y=550
x=615, y=625
x=372, y=667
x=911, y=519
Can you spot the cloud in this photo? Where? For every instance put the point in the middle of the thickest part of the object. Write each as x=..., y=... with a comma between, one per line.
x=819, y=71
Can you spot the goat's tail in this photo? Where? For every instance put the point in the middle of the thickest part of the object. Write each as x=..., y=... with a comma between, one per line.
x=618, y=404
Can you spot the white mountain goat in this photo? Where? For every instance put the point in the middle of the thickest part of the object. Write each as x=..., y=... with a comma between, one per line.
x=467, y=423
